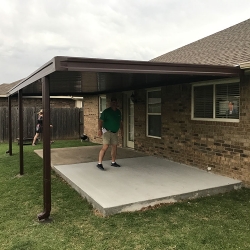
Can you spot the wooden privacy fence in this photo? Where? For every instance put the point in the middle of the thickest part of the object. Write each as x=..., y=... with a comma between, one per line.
x=67, y=123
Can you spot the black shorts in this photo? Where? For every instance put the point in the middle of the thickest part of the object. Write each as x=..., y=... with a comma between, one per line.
x=39, y=128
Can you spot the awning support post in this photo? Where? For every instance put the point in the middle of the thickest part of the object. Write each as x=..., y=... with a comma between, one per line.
x=20, y=107
x=10, y=126
x=46, y=150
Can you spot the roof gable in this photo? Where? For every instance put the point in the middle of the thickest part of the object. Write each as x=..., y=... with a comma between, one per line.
x=230, y=46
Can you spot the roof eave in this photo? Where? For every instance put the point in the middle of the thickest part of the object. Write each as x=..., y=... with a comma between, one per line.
x=125, y=66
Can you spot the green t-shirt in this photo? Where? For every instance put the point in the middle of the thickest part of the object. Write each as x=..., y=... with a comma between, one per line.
x=111, y=119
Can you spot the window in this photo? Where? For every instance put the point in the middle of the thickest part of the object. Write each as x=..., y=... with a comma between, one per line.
x=154, y=113
x=203, y=101
x=102, y=103
x=216, y=101
x=226, y=100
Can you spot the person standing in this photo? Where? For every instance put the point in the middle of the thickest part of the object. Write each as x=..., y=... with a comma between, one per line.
x=39, y=126
x=232, y=111
x=108, y=126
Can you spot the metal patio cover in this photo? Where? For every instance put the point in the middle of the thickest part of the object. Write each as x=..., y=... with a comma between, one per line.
x=87, y=76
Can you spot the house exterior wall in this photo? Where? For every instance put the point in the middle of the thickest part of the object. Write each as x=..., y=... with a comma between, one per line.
x=90, y=117
x=223, y=146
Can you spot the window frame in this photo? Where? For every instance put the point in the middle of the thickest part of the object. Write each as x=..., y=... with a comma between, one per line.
x=147, y=113
x=214, y=83
x=99, y=106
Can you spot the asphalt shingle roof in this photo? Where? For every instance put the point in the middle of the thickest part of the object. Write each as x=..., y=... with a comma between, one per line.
x=5, y=87
x=230, y=46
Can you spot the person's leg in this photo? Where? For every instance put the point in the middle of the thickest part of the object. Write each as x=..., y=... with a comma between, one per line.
x=114, y=142
x=102, y=153
x=106, y=139
x=113, y=152
x=105, y=142
x=34, y=140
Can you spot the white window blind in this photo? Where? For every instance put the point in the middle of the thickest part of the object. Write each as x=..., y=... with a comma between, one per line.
x=203, y=101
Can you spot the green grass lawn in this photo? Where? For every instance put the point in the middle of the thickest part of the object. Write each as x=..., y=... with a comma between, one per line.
x=218, y=222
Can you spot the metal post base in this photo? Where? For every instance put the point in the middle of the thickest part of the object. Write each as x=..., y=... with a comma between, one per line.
x=43, y=216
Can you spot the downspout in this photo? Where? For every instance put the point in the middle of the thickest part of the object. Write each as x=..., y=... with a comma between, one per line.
x=46, y=151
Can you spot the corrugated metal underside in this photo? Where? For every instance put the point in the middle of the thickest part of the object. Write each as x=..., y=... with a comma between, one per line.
x=79, y=83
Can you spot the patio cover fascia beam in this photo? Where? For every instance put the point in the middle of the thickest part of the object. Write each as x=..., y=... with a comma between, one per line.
x=124, y=66
x=60, y=63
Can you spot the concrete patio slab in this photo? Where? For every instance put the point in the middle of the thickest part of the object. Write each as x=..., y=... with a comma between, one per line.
x=141, y=181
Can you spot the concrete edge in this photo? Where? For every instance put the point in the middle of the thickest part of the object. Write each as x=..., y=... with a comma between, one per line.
x=173, y=199
x=140, y=205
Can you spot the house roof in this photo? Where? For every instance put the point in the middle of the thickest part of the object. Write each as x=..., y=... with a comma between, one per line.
x=5, y=87
x=230, y=46
x=78, y=76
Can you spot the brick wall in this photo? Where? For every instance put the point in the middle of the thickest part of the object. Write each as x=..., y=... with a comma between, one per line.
x=91, y=115
x=224, y=146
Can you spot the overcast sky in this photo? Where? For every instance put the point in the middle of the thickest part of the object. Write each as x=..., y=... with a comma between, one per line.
x=34, y=31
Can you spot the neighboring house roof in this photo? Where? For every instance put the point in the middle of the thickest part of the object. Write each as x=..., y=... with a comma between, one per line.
x=230, y=46
x=5, y=87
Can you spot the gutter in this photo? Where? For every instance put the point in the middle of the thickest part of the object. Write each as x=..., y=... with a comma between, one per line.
x=246, y=67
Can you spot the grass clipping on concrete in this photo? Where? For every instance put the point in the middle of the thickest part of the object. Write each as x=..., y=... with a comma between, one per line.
x=218, y=222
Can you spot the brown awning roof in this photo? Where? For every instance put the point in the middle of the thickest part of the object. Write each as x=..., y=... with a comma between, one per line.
x=79, y=76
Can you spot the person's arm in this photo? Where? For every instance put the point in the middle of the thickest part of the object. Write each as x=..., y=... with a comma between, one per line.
x=100, y=123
